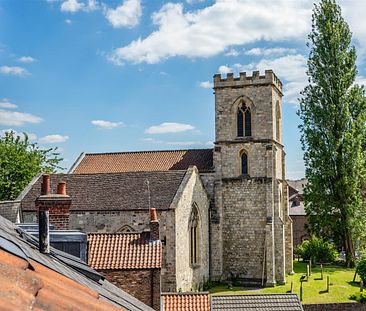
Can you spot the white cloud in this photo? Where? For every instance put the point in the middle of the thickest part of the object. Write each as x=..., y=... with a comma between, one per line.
x=211, y=30
x=52, y=139
x=14, y=118
x=270, y=51
x=361, y=80
x=172, y=143
x=68, y=21
x=106, y=124
x=225, y=69
x=169, y=127
x=206, y=85
x=14, y=70
x=72, y=6
x=5, y=103
x=26, y=59
x=232, y=52
x=126, y=15
x=290, y=69
x=31, y=136
x=92, y=5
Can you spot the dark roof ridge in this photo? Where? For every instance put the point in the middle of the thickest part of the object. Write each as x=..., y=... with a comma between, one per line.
x=120, y=173
x=145, y=151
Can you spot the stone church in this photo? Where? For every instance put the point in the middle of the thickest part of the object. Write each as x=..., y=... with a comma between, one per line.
x=223, y=212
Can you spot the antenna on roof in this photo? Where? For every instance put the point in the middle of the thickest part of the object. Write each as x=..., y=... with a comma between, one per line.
x=148, y=192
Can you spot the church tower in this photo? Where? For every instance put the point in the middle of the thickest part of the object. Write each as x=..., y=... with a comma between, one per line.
x=251, y=231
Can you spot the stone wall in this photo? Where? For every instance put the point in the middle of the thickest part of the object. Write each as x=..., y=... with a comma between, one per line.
x=10, y=210
x=192, y=277
x=335, y=307
x=117, y=221
x=251, y=217
x=142, y=284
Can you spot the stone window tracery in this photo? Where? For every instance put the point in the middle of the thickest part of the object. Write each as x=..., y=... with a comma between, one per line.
x=194, y=236
x=244, y=121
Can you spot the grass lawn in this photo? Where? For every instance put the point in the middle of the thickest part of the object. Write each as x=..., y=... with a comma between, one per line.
x=314, y=290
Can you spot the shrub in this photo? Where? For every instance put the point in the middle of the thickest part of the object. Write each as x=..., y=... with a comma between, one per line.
x=361, y=267
x=318, y=250
x=361, y=297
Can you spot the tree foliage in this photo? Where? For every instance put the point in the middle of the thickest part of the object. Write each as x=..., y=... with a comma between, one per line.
x=317, y=250
x=20, y=161
x=361, y=268
x=333, y=114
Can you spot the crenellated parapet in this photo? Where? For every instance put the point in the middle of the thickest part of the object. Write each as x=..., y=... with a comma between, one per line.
x=243, y=80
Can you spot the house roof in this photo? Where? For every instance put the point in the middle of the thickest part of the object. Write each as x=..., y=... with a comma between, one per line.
x=115, y=191
x=30, y=279
x=259, y=302
x=164, y=160
x=123, y=251
x=185, y=301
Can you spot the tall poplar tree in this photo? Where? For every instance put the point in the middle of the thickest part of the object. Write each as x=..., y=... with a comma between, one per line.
x=333, y=114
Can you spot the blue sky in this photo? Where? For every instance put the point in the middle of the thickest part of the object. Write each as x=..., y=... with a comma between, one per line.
x=101, y=76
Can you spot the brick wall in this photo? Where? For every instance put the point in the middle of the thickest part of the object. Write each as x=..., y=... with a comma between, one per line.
x=335, y=307
x=299, y=231
x=142, y=284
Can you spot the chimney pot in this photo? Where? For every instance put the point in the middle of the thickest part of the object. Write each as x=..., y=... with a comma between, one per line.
x=61, y=188
x=46, y=184
x=153, y=215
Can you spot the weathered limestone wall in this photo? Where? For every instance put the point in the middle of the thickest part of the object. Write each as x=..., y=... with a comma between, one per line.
x=191, y=277
x=251, y=219
x=117, y=221
x=10, y=210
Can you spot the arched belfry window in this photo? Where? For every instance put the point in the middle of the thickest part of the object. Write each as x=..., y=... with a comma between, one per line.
x=194, y=235
x=244, y=121
x=244, y=163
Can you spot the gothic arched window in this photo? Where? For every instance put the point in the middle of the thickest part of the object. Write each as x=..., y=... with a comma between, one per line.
x=244, y=164
x=193, y=235
x=244, y=121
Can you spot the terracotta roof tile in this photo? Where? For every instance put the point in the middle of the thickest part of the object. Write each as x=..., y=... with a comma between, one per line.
x=186, y=301
x=115, y=191
x=145, y=161
x=123, y=251
x=27, y=285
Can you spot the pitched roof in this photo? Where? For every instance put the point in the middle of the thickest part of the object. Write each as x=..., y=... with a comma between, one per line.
x=260, y=302
x=29, y=279
x=165, y=160
x=123, y=251
x=116, y=191
x=186, y=301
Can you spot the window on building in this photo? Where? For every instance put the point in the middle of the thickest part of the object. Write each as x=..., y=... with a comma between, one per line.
x=194, y=235
x=244, y=121
x=244, y=164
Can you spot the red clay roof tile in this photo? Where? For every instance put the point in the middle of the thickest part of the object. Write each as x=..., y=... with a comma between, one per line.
x=164, y=160
x=123, y=251
x=186, y=301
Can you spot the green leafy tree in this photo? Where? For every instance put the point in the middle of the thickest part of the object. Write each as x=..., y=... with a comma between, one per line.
x=333, y=114
x=20, y=161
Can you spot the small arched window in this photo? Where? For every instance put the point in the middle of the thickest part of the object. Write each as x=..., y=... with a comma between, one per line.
x=244, y=164
x=126, y=229
x=194, y=235
x=244, y=121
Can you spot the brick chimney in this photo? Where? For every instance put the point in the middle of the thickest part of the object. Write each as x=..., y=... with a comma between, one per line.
x=57, y=205
x=154, y=225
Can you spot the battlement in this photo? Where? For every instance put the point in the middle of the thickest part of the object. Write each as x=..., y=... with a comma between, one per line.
x=256, y=79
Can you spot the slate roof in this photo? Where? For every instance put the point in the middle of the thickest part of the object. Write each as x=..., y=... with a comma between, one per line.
x=31, y=280
x=116, y=191
x=164, y=160
x=260, y=302
x=123, y=251
x=296, y=199
x=185, y=301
